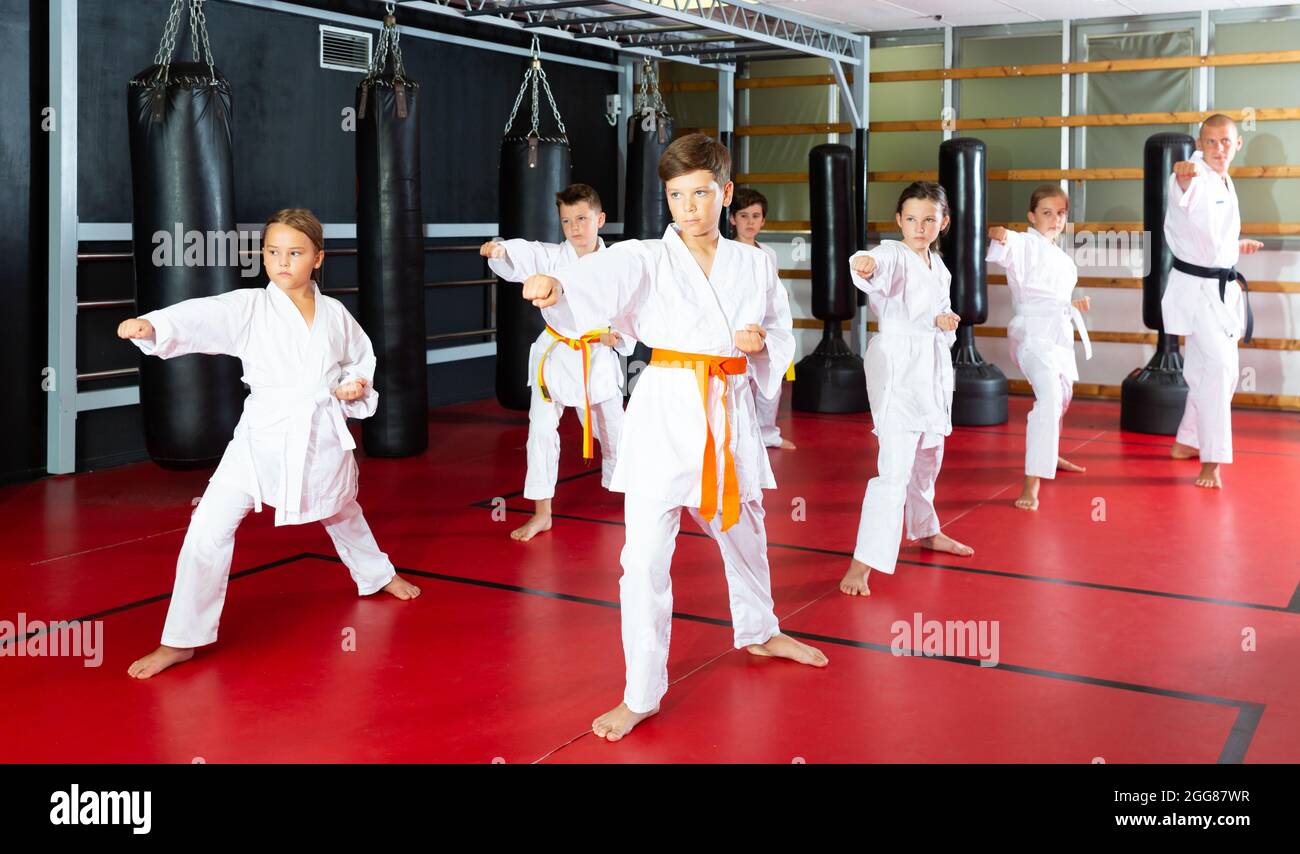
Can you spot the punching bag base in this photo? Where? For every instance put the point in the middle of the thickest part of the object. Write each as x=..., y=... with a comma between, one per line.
x=1152, y=401
x=979, y=395
x=829, y=384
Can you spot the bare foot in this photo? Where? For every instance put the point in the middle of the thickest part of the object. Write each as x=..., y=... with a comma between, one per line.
x=787, y=445
x=539, y=523
x=1183, y=452
x=158, y=661
x=854, y=582
x=1028, y=499
x=401, y=588
x=1209, y=476
x=618, y=722
x=943, y=543
x=1065, y=465
x=784, y=646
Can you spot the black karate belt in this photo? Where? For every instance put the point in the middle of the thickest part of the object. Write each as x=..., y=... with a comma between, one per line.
x=1224, y=275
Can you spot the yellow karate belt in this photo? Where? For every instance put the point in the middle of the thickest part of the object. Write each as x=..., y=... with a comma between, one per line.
x=582, y=343
x=789, y=372
x=706, y=367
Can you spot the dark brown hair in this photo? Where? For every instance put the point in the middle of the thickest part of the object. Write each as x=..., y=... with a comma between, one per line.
x=692, y=153
x=300, y=219
x=927, y=191
x=575, y=193
x=745, y=197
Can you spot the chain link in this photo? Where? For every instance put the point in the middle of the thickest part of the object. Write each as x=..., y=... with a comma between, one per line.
x=198, y=31
x=168, y=43
x=199, y=24
x=389, y=44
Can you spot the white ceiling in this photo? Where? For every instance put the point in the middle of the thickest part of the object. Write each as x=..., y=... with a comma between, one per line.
x=878, y=15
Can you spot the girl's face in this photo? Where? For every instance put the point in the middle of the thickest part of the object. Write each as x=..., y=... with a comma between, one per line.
x=289, y=257
x=1049, y=218
x=748, y=222
x=921, y=220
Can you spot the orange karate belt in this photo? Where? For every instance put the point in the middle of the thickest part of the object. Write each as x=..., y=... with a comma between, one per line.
x=706, y=367
x=583, y=343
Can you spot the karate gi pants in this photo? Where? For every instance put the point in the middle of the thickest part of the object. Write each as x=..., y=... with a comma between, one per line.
x=646, y=591
x=903, y=487
x=203, y=568
x=1052, y=395
x=767, y=408
x=544, y=441
x=1211, y=369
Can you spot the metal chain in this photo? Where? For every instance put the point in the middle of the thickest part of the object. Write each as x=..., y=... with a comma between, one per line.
x=168, y=44
x=199, y=25
x=535, y=76
x=389, y=44
x=649, y=97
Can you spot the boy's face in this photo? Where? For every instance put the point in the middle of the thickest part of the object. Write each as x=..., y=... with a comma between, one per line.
x=581, y=223
x=696, y=202
x=1049, y=217
x=921, y=221
x=289, y=256
x=1219, y=145
x=748, y=222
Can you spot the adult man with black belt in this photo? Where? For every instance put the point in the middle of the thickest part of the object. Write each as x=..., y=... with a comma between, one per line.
x=1205, y=299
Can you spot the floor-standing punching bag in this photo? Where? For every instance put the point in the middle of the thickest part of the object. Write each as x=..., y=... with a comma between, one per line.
x=831, y=378
x=533, y=169
x=1152, y=398
x=390, y=251
x=980, y=392
x=182, y=183
x=649, y=131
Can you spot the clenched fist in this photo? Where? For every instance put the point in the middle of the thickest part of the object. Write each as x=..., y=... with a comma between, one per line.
x=351, y=390
x=998, y=233
x=611, y=338
x=1083, y=303
x=863, y=265
x=135, y=328
x=542, y=291
x=492, y=249
x=751, y=339
x=947, y=321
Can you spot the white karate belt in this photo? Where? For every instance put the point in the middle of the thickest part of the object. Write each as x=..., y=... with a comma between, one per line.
x=1068, y=314
x=303, y=403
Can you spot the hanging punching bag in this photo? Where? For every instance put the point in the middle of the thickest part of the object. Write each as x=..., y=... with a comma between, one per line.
x=182, y=183
x=1152, y=398
x=831, y=378
x=649, y=131
x=390, y=251
x=980, y=391
x=533, y=169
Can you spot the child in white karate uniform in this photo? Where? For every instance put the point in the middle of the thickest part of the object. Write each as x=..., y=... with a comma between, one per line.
x=909, y=384
x=309, y=366
x=1041, y=277
x=748, y=216
x=691, y=436
x=566, y=367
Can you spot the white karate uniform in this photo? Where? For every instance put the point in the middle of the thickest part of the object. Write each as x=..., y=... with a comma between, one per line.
x=909, y=385
x=1203, y=227
x=768, y=406
x=291, y=448
x=564, y=375
x=656, y=289
x=1041, y=336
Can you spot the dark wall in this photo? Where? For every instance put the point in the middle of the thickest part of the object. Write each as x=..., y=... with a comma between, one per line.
x=22, y=282
x=291, y=150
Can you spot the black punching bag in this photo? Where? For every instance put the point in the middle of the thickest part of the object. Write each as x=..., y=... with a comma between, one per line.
x=390, y=254
x=1152, y=398
x=648, y=133
x=831, y=378
x=182, y=182
x=980, y=392
x=533, y=170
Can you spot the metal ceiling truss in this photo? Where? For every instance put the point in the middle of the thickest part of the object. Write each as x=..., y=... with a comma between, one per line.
x=732, y=30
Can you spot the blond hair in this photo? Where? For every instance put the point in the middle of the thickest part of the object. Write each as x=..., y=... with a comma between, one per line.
x=300, y=219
